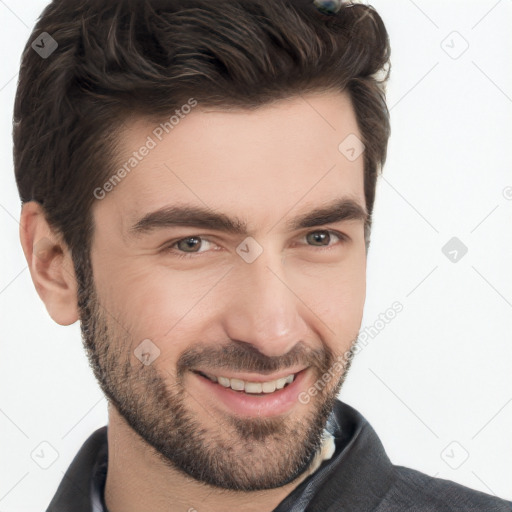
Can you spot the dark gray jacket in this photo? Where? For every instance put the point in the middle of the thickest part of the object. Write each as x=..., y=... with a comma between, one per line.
x=358, y=478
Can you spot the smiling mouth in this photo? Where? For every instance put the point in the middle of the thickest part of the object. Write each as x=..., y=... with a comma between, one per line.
x=248, y=387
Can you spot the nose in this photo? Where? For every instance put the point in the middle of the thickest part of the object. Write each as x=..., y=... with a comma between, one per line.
x=264, y=308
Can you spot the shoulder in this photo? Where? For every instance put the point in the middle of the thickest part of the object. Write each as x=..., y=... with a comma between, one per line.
x=413, y=490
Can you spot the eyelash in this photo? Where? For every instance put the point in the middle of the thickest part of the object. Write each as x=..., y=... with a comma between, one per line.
x=183, y=255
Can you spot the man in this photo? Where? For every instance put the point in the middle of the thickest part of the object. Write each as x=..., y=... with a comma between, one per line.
x=220, y=325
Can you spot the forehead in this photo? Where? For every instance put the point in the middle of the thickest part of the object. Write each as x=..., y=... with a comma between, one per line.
x=260, y=163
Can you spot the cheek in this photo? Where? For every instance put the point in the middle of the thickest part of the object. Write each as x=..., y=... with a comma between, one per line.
x=339, y=303
x=140, y=299
x=164, y=305
x=337, y=292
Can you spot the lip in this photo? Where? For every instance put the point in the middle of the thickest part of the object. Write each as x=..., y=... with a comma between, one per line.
x=242, y=404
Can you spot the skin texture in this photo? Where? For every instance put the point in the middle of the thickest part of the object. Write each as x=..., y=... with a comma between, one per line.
x=299, y=304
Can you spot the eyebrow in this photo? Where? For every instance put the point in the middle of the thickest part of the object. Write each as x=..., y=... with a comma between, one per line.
x=342, y=209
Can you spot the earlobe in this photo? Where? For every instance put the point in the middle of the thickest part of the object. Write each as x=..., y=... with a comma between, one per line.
x=50, y=264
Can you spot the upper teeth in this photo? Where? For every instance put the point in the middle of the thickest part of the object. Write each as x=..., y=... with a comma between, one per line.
x=253, y=387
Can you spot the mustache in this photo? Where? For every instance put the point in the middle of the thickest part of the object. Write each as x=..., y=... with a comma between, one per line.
x=243, y=357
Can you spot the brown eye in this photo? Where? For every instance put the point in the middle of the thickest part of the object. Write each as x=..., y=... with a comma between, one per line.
x=193, y=246
x=319, y=237
x=323, y=237
x=191, y=242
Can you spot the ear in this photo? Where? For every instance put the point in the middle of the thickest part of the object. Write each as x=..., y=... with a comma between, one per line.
x=50, y=264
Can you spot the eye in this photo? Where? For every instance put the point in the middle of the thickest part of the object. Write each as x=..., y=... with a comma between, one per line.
x=323, y=237
x=190, y=242
x=189, y=247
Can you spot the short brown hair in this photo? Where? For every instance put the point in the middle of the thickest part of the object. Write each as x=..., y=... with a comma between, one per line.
x=147, y=57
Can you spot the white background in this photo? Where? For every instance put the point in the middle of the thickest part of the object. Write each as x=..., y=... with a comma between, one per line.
x=435, y=383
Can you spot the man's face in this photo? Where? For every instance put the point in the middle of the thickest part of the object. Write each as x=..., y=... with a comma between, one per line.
x=217, y=305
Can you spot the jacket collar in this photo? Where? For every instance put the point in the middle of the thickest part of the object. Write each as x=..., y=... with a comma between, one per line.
x=74, y=491
x=357, y=476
